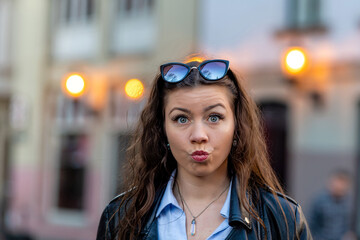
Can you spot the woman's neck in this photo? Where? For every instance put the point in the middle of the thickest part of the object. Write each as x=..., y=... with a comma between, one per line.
x=200, y=188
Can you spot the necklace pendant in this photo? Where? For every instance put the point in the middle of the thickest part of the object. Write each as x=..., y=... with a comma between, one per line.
x=193, y=227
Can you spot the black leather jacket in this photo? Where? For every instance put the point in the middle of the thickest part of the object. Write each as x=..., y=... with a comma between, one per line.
x=244, y=226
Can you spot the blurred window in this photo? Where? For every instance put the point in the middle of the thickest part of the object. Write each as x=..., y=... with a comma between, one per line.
x=134, y=28
x=134, y=8
x=303, y=14
x=72, y=111
x=73, y=159
x=274, y=115
x=74, y=11
x=124, y=111
x=73, y=120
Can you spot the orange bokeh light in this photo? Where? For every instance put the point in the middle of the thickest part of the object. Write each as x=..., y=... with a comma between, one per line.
x=74, y=85
x=134, y=88
x=294, y=61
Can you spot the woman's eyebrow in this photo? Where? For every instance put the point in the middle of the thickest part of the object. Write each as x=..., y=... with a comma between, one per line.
x=180, y=109
x=214, y=106
x=205, y=109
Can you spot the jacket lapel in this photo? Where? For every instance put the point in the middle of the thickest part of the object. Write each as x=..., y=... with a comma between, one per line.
x=238, y=214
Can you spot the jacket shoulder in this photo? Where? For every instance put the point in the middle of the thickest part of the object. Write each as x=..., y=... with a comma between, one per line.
x=109, y=219
x=268, y=194
x=278, y=206
x=117, y=199
x=114, y=204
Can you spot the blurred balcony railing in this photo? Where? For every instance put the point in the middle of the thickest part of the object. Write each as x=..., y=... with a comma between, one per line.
x=134, y=28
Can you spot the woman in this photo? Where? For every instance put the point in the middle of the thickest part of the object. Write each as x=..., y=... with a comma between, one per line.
x=199, y=167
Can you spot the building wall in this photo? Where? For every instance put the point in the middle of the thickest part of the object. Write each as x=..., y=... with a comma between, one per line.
x=27, y=81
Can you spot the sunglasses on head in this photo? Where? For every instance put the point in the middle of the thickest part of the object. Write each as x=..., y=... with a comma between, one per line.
x=211, y=70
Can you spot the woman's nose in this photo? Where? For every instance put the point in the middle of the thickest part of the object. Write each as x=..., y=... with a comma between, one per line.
x=198, y=134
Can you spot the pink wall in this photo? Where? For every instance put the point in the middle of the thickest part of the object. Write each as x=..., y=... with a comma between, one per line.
x=32, y=204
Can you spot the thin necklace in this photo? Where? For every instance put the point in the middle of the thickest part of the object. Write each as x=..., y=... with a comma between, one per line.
x=193, y=222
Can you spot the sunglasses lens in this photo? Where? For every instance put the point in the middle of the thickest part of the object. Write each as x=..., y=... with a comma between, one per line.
x=213, y=70
x=174, y=72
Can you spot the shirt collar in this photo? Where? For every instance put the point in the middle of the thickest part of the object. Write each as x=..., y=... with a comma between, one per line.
x=225, y=210
x=168, y=197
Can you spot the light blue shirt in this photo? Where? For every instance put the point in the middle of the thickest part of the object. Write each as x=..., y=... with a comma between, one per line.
x=171, y=218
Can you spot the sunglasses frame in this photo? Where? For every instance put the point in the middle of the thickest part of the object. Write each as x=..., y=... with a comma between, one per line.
x=227, y=63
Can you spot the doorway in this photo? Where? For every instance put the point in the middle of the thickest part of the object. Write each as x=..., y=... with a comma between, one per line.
x=275, y=123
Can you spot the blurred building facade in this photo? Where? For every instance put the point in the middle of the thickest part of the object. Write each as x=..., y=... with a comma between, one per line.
x=60, y=157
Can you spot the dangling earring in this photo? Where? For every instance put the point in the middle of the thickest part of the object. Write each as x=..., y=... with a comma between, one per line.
x=168, y=146
x=234, y=143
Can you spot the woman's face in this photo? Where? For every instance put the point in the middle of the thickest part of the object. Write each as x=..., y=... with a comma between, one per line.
x=199, y=125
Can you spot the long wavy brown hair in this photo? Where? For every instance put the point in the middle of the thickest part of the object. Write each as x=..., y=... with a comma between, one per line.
x=150, y=163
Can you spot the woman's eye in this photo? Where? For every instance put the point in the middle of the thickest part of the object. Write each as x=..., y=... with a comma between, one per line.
x=214, y=118
x=182, y=120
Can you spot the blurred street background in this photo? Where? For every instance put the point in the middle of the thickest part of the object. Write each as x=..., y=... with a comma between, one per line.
x=75, y=74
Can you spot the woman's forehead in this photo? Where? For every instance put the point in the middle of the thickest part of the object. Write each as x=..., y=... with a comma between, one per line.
x=200, y=95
